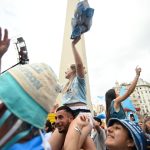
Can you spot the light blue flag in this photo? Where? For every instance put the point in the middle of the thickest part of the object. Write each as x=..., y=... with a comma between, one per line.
x=34, y=144
x=82, y=20
x=127, y=104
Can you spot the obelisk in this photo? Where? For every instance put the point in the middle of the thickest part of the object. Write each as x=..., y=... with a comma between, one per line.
x=67, y=56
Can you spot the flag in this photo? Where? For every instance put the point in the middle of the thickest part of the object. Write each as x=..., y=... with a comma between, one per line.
x=127, y=104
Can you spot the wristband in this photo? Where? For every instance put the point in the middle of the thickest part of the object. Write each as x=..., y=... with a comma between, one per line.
x=77, y=129
x=137, y=76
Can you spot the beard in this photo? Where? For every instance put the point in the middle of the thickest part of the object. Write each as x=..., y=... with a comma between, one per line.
x=64, y=129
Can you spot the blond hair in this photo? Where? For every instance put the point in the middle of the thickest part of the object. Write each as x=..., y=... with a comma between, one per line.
x=68, y=84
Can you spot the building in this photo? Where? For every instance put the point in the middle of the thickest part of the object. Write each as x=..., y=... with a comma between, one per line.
x=140, y=97
x=99, y=108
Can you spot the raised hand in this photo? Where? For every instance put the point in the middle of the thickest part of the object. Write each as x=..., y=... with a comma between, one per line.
x=75, y=41
x=4, y=43
x=138, y=70
x=82, y=120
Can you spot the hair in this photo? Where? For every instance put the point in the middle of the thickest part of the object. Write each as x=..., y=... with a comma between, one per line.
x=73, y=67
x=49, y=125
x=66, y=109
x=109, y=97
x=68, y=84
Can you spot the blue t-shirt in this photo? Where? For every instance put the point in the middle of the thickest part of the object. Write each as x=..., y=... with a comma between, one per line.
x=33, y=144
x=76, y=93
x=120, y=114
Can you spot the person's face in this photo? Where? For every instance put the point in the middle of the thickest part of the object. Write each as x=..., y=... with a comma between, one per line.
x=140, y=124
x=147, y=124
x=63, y=120
x=132, y=118
x=118, y=138
x=69, y=73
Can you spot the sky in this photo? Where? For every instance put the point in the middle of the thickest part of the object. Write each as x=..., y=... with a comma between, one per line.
x=117, y=42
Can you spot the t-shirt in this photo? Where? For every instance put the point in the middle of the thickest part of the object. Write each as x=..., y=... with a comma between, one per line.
x=76, y=93
x=34, y=144
x=114, y=114
x=99, y=139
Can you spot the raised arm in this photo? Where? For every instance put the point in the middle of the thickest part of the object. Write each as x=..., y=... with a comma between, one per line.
x=4, y=44
x=78, y=60
x=75, y=132
x=131, y=88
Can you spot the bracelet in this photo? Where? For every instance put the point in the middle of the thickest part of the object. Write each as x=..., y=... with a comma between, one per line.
x=137, y=76
x=77, y=129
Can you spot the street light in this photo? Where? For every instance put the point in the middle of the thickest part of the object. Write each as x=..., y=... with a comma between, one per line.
x=22, y=51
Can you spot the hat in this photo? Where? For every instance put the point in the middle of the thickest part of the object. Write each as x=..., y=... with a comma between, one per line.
x=101, y=116
x=51, y=117
x=29, y=92
x=135, y=131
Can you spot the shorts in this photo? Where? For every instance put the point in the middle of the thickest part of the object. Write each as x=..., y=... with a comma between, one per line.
x=80, y=109
x=77, y=110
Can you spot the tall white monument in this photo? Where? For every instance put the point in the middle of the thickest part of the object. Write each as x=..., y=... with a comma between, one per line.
x=67, y=56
